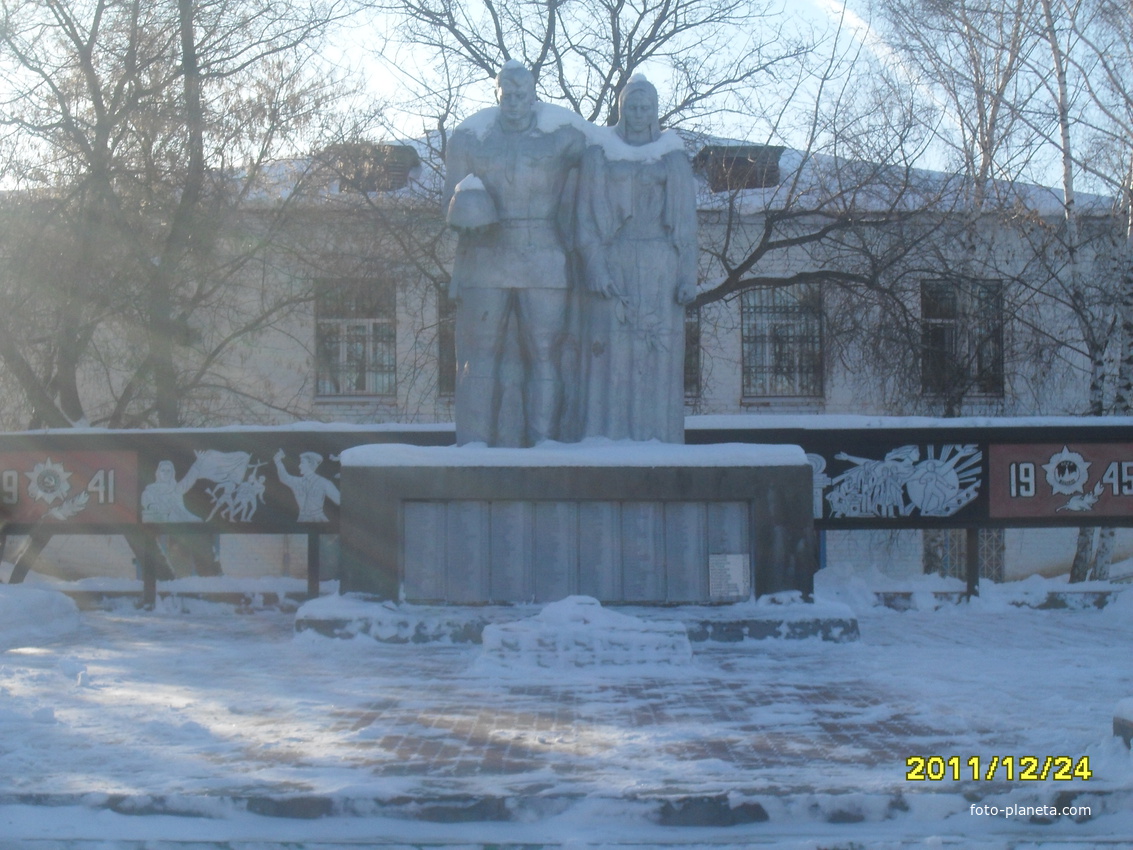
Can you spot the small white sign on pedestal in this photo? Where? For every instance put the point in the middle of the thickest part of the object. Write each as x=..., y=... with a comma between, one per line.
x=729, y=576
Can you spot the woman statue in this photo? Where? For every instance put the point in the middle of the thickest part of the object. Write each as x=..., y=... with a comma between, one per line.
x=637, y=242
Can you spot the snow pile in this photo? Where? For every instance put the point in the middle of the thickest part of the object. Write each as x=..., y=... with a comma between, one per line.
x=863, y=588
x=31, y=615
x=786, y=605
x=1038, y=591
x=1031, y=591
x=578, y=632
x=1120, y=606
x=346, y=606
x=856, y=587
x=351, y=615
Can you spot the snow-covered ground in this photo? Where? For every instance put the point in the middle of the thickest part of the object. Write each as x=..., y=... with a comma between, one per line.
x=193, y=708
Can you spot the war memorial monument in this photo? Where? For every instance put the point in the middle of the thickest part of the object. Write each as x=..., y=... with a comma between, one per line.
x=576, y=256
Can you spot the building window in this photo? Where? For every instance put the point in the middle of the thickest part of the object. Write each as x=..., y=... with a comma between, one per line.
x=367, y=167
x=946, y=552
x=731, y=168
x=782, y=342
x=355, y=338
x=446, y=344
x=692, y=352
x=962, y=338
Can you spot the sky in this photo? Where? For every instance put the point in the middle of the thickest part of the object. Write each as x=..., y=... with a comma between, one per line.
x=354, y=51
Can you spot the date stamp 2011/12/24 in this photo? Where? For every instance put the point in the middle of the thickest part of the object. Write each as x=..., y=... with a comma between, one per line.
x=1011, y=768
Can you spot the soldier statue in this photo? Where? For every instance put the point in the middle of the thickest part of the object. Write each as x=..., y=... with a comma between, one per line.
x=508, y=174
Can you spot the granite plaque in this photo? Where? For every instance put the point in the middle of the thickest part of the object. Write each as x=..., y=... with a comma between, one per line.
x=599, y=550
x=466, y=540
x=643, y=551
x=728, y=527
x=424, y=550
x=510, y=547
x=542, y=529
x=729, y=576
x=686, y=551
x=555, y=548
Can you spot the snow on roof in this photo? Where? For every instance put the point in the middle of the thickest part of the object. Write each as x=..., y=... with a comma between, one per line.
x=805, y=179
x=810, y=179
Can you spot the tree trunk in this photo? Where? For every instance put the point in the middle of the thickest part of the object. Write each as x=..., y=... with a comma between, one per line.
x=1083, y=555
x=1103, y=556
x=179, y=241
x=1123, y=397
x=1083, y=552
x=934, y=544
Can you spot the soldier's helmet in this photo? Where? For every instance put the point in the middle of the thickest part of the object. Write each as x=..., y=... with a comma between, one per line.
x=471, y=205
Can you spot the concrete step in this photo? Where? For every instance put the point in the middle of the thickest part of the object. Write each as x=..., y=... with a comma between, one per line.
x=468, y=821
x=390, y=623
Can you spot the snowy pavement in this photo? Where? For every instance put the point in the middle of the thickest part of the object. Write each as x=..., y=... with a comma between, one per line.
x=212, y=726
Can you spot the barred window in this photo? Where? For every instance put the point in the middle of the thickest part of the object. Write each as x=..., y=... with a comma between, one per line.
x=782, y=342
x=962, y=337
x=355, y=337
x=945, y=551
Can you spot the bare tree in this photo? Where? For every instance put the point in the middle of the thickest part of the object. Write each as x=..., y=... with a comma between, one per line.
x=972, y=61
x=144, y=133
x=1092, y=41
x=714, y=52
x=1023, y=87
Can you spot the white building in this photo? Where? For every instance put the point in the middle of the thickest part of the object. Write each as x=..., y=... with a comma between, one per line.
x=952, y=312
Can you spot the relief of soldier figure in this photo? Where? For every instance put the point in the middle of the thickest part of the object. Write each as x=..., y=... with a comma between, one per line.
x=575, y=258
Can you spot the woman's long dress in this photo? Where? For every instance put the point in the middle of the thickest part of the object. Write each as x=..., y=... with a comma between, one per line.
x=637, y=235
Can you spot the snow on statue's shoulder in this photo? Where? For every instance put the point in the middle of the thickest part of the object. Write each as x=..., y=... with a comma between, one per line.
x=550, y=117
x=479, y=123
x=615, y=147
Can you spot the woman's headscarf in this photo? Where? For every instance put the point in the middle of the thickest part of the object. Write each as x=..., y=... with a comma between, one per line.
x=638, y=83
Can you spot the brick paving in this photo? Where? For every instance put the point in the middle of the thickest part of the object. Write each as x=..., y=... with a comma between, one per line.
x=212, y=714
x=699, y=732
x=327, y=717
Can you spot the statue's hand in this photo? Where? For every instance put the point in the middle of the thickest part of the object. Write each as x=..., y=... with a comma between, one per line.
x=603, y=286
x=686, y=293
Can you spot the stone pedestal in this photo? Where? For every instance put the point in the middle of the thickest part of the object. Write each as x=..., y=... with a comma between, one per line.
x=622, y=522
